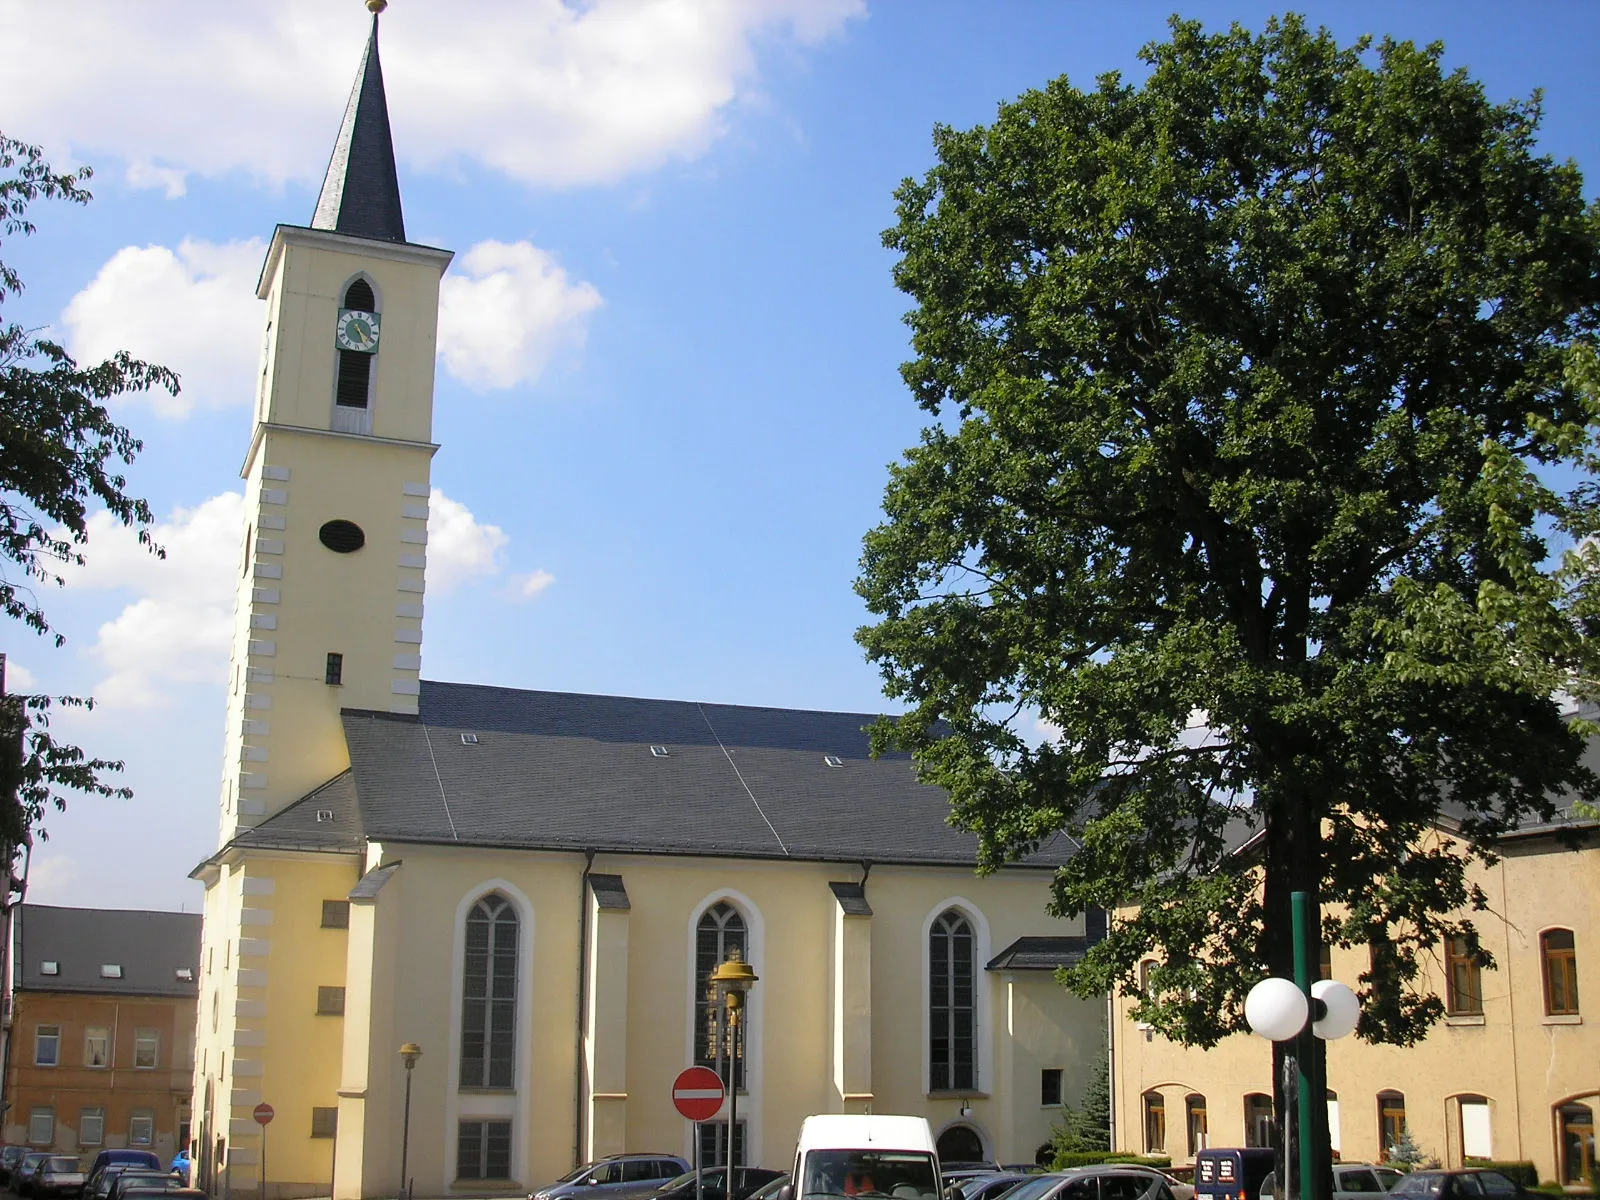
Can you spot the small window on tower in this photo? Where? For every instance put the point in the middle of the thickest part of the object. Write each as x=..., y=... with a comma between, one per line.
x=335, y=672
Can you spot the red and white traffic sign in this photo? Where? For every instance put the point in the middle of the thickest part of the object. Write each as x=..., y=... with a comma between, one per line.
x=697, y=1093
x=263, y=1113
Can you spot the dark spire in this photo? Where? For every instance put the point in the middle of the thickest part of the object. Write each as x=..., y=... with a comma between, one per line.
x=361, y=192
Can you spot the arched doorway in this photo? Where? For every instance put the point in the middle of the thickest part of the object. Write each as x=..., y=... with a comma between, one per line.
x=960, y=1143
x=1575, y=1124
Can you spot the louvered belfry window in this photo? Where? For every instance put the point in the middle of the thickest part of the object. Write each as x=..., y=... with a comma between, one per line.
x=952, y=1019
x=355, y=367
x=489, y=996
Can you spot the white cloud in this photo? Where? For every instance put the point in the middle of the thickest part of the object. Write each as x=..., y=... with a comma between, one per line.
x=544, y=91
x=459, y=547
x=507, y=313
x=19, y=678
x=530, y=585
x=178, y=630
x=194, y=310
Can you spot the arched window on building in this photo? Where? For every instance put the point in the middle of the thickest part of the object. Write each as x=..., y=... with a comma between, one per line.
x=1257, y=1119
x=1576, y=1124
x=952, y=1015
x=1559, y=955
x=1477, y=1133
x=720, y=931
x=1194, y=1119
x=1155, y=1123
x=489, y=995
x=1391, y=1122
x=1463, y=980
x=357, y=339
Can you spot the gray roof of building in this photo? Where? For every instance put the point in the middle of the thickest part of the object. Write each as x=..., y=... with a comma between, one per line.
x=610, y=893
x=150, y=947
x=1040, y=953
x=852, y=898
x=325, y=819
x=361, y=190
x=564, y=771
x=370, y=884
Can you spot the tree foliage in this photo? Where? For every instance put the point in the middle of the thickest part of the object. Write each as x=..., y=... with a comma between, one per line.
x=60, y=452
x=1086, y=1125
x=1248, y=386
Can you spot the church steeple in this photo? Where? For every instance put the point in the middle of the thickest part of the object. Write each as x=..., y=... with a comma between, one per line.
x=361, y=191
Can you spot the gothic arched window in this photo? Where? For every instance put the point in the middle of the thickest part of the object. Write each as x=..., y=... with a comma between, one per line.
x=952, y=1014
x=721, y=929
x=355, y=365
x=489, y=995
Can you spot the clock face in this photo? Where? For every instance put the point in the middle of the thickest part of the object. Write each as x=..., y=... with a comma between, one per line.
x=357, y=330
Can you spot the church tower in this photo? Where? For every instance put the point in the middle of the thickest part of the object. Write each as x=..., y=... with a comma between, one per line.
x=329, y=618
x=330, y=604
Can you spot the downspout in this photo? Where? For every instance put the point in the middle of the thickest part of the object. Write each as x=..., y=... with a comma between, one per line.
x=581, y=1064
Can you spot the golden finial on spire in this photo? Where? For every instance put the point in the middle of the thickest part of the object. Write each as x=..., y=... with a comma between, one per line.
x=377, y=6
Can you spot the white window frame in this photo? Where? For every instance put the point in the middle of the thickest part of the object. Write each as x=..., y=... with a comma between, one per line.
x=142, y=1039
x=40, y=1037
x=146, y=1116
x=982, y=1015
x=97, y=1115
x=755, y=930
x=48, y=1115
x=91, y=1034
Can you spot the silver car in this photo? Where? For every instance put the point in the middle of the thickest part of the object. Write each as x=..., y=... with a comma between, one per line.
x=616, y=1178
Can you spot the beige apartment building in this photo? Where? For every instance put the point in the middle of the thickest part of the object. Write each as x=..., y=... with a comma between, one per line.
x=101, y=1037
x=1511, y=1072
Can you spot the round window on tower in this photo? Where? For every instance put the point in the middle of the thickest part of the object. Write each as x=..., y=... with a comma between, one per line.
x=342, y=537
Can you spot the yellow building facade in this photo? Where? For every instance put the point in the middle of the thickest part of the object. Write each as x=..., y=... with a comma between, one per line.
x=533, y=887
x=1512, y=1072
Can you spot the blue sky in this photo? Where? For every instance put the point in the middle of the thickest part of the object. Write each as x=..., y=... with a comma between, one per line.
x=669, y=388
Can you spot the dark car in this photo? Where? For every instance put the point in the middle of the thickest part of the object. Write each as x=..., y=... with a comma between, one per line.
x=139, y=1158
x=22, y=1181
x=99, y=1185
x=58, y=1175
x=714, y=1184
x=618, y=1177
x=178, y=1191
x=989, y=1185
x=141, y=1177
x=10, y=1157
x=1095, y=1183
x=1469, y=1182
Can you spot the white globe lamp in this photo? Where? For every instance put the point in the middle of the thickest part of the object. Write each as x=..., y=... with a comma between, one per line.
x=1341, y=1009
x=1276, y=1010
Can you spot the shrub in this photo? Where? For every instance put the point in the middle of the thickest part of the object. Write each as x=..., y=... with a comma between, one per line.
x=1067, y=1159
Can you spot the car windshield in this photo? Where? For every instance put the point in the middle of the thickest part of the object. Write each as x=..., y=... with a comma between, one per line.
x=1033, y=1188
x=1418, y=1185
x=904, y=1174
x=62, y=1163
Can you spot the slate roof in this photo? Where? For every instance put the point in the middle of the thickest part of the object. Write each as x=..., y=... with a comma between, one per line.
x=1040, y=953
x=361, y=190
x=325, y=819
x=150, y=947
x=564, y=771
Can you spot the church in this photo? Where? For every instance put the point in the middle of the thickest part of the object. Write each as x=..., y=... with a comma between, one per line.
x=531, y=891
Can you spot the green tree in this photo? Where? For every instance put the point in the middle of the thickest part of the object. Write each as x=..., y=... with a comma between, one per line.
x=1087, y=1124
x=60, y=451
x=1246, y=386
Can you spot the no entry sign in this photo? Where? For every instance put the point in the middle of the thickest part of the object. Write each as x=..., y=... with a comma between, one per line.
x=263, y=1113
x=697, y=1093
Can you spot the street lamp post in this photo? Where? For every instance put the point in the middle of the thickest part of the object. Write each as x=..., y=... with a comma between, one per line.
x=1277, y=1009
x=731, y=980
x=409, y=1053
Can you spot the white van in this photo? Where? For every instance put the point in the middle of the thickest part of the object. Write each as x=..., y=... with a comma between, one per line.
x=846, y=1156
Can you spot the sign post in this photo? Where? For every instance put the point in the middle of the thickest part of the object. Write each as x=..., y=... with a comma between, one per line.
x=697, y=1094
x=263, y=1114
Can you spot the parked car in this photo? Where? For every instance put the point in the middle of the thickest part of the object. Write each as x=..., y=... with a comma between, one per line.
x=22, y=1184
x=1351, y=1181
x=769, y=1191
x=58, y=1175
x=988, y=1186
x=175, y=1192
x=10, y=1157
x=714, y=1184
x=1231, y=1174
x=1109, y=1182
x=99, y=1185
x=1468, y=1182
x=615, y=1178
x=841, y=1154
x=141, y=1177
x=142, y=1158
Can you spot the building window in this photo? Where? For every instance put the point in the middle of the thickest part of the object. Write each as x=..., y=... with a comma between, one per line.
x=1463, y=980
x=330, y=1002
x=336, y=914
x=1391, y=1123
x=952, y=1018
x=720, y=932
x=110, y=970
x=1155, y=1123
x=146, y=1048
x=483, y=1150
x=1325, y=961
x=334, y=674
x=355, y=366
x=489, y=1001
x=1050, y=1087
x=324, y=1122
x=96, y=1046
x=1194, y=1110
x=46, y=1045
x=142, y=1127
x=1477, y=1132
x=91, y=1126
x=1257, y=1120
x=1576, y=1122
x=41, y=1126
x=1560, y=956
x=714, y=1143
x=50, y=966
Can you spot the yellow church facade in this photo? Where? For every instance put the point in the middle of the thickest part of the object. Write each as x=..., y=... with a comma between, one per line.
x=533, y=887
